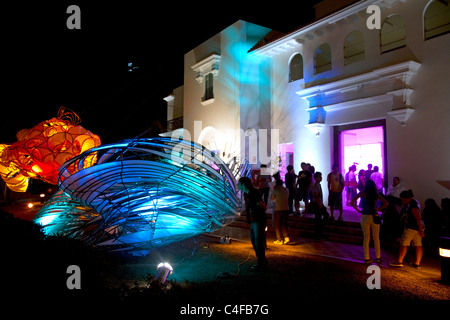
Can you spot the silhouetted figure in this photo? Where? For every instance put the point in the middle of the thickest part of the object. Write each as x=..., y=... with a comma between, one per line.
x=256, y=214
x=317, y=207
x=263, y=182
x=304, y=179
x=289, y=181
x=432, y=216
x=445, y=205
x=392, y=227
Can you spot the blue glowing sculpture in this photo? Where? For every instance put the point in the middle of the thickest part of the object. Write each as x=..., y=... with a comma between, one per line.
x=136, y=195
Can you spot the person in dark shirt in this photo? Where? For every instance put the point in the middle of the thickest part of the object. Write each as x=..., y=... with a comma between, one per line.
x=432, y=215
x=263, y=181
x=368, y=172
x=304, y=183
x=317, y=207
x=289, y=181
x=256, y=214
x=414, y=229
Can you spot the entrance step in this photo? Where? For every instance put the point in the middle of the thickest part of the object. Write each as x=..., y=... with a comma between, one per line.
x=338, y=231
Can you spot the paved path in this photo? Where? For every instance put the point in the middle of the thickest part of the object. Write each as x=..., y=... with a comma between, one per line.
x=430, y=265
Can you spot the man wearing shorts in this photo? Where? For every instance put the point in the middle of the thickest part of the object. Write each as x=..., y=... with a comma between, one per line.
x=335, y=186
x=414, y=229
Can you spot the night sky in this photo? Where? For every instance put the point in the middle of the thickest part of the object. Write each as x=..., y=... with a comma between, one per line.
x=46, y=65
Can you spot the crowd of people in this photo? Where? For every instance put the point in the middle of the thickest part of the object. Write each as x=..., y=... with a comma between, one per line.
x=394, y=215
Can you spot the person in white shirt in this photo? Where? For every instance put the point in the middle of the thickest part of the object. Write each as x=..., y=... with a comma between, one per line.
x=377, y=177
x=396, y=188
x=350, y=182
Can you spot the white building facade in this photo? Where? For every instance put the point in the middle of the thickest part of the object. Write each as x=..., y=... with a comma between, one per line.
x=334, y=91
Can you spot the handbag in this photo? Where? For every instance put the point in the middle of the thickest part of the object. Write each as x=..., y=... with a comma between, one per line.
x=376, y=219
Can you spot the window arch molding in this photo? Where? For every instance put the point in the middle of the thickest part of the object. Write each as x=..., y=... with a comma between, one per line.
x=436, y=19
x=322, y=58
x=295, y=67
x=206, y=70
x=354, y=49
x=392, y=33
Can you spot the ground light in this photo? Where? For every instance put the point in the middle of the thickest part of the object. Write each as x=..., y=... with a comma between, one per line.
x=265, y=237
x=444, y=252
x=164, y=270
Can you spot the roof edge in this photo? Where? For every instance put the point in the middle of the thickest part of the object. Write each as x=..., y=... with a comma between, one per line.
x=335, y=16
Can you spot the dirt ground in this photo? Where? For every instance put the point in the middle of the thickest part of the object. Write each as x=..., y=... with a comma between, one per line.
x=208, y=273
x=214, y=275
x=290, y=275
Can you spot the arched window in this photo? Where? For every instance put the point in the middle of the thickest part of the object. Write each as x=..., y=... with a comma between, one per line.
x=296, y=68
x=322, y=59
x=392, y=33
x=209, y=93
x=436, y=19
x=354, y=47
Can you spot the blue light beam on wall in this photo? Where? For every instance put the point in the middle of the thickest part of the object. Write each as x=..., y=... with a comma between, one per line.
x=140, y=194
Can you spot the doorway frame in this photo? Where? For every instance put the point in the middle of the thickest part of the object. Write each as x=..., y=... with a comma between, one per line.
x=282, y=165
x=337, y=131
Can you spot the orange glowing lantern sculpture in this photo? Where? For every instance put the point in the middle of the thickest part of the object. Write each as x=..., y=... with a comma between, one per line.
x=41, y=150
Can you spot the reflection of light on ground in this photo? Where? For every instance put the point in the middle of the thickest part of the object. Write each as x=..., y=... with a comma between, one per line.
x=24, y=209
x=205, y=259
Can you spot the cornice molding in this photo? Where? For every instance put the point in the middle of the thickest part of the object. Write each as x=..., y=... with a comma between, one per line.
x=389, y=86
x=210, y=64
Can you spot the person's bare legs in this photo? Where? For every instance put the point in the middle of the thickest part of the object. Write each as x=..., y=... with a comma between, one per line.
x=402, y=253
x=419, y=254
x=340, y=213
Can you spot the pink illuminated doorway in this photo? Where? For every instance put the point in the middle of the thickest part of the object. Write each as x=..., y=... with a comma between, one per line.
x=361, y=147
x=286, y=157
x=360, y=144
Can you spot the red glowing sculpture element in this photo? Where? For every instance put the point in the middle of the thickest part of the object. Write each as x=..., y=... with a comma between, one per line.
x=41, y=150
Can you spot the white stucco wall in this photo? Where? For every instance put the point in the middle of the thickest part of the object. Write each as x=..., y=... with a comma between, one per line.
x=420, y=151
x=252, y=91
x=235, y=93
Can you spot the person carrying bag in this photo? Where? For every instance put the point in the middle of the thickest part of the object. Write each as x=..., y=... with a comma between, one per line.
x=370, y=220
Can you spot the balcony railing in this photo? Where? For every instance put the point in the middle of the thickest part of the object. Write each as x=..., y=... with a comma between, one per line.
x=174, y=124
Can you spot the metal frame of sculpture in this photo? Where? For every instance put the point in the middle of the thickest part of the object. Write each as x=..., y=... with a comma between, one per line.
x=129, y=196
x=140, y=194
